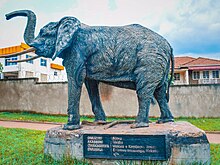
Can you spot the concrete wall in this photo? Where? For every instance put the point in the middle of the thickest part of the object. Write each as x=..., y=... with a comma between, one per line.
x=29, y=95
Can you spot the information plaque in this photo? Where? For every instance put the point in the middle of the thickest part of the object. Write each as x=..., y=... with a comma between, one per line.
x=137, y=147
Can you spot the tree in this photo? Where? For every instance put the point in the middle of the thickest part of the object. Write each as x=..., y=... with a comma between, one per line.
x=1, y=67
x=172, y=81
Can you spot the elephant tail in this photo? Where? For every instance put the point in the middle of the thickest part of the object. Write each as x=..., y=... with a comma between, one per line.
x=171, y=75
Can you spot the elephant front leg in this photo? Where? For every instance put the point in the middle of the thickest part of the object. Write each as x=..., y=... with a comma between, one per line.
x=93, y=91
x=74, y=92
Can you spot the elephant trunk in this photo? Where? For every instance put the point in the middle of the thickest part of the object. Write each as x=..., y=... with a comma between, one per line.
x=31, y=23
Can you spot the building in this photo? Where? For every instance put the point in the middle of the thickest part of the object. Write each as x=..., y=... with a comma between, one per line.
x=44, y=69
x=189, y=70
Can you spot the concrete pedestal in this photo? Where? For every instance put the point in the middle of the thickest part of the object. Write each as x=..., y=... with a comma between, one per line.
x=186, y=144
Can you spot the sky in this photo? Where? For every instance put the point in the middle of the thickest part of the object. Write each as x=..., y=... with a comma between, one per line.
x=192, y=27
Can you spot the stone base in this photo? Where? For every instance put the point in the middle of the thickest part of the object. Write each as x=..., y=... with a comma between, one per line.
x=186, y=144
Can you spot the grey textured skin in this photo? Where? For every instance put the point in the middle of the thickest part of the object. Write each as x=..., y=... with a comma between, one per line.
x=130, y=56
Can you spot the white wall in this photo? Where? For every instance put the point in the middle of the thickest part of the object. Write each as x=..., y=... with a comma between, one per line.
x=36, y=68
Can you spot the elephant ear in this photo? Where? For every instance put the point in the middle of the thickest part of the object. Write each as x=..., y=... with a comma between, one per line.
x=68, y=26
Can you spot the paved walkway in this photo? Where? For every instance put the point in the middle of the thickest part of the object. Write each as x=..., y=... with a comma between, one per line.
x=212, y=137
x=28, y=125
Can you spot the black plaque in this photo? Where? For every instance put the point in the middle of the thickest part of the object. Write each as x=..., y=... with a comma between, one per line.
x=137, y=147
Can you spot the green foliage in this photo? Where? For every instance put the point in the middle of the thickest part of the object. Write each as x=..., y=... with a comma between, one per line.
x=207, y=124
x=1, y=67
x=169, y=77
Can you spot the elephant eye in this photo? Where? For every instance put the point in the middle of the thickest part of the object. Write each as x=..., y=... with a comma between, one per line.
x=42, y=32
x=45, y=32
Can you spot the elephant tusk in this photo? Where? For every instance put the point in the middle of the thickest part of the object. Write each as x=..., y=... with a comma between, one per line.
x=31, y=49
x=24, y=60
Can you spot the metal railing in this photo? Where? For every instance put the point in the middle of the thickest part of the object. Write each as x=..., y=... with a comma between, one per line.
x=209, y=81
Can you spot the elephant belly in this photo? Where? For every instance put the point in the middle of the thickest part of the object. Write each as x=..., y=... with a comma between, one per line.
x=122, y=84
x=112, y=66
x=111, y=72
x=106, y=77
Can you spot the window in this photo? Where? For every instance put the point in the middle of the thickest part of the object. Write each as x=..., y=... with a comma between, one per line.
x=215, y=74
x=29, y=74
x=177, y=76
x=31, y=61
x=55, y=73
x=11, y=63
x=196, y=75
x=43, y=77
x=206, y=74
x=43, y=62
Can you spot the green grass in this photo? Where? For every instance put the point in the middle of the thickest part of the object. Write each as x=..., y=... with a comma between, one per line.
x=207, y=124
x=26, y=116
x=22, y=146
x=215, y=154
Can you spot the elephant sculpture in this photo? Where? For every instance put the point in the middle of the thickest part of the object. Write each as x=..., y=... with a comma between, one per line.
x=131, y=56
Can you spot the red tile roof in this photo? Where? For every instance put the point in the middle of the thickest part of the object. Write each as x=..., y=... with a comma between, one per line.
x=179, y=61
x=187, y=61
x=202, y=62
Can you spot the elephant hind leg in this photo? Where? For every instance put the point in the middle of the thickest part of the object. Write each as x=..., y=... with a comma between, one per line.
x=142, y=116
x=160, y=95
x=93, y=91
x=146, y=84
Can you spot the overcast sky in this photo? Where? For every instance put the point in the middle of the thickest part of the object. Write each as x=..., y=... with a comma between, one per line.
x=191, y=26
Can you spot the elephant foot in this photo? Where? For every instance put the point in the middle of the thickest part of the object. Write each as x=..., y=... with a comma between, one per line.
x=161, y=121
x=100, y=122
x=139, y=125
x=71, y=127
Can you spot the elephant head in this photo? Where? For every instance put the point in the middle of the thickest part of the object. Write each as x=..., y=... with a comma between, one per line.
x=53, y=38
